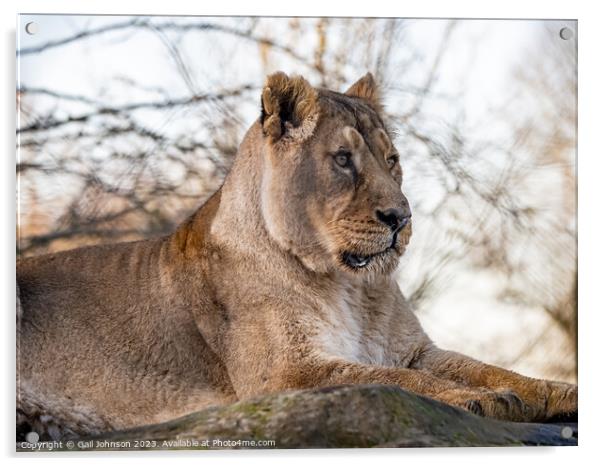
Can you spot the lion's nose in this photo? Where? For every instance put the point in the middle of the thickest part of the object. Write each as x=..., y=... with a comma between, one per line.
x=395, y=219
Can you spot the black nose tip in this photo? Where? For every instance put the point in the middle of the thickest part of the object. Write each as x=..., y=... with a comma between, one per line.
x=395, y=219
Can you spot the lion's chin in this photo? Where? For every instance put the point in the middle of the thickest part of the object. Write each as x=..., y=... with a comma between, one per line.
x=383, y=261
x=369, y=266
x=357, y=261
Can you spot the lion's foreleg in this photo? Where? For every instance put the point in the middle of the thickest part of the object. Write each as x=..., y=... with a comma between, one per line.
x=481, y=401
x=544, y=399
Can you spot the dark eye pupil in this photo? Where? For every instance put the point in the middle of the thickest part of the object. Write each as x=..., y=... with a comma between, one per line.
x=342, y=159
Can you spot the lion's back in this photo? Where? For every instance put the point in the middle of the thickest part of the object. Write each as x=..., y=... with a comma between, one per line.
x=70, y=302
x=82, y=278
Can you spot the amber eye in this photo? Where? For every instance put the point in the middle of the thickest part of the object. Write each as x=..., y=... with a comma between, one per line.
x=391, y=161
x=342, y=158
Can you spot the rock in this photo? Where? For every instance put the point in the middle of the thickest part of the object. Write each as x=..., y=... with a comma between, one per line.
x=336, y=417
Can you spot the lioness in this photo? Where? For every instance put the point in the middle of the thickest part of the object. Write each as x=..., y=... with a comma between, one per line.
x=281, y=280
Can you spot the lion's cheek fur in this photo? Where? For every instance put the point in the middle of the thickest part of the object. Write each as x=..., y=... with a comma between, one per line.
x=287, y=219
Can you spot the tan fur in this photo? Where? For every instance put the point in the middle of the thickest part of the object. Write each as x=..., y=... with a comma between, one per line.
x=252, y=294
x=365, y=88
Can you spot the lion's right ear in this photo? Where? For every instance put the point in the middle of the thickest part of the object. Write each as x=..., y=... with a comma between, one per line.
x=289, y=107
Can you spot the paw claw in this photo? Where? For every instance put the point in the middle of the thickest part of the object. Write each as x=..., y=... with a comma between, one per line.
x=487, y=403
x=475, y=407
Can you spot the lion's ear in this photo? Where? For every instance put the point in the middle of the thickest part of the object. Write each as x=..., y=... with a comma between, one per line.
x=289, y=107
x=367, y=89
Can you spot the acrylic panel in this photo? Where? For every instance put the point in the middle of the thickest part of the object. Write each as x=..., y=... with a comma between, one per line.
x=295, y=232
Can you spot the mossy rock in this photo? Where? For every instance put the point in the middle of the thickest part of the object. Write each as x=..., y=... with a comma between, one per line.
x=340, y=417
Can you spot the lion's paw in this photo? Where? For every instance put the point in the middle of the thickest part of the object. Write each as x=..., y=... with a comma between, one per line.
x=561, y=401
x=505, y=405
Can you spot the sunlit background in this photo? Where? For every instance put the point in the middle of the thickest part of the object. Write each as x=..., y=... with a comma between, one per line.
x=127, y=124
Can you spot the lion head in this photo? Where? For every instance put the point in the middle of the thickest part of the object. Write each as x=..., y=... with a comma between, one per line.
x=331, y=187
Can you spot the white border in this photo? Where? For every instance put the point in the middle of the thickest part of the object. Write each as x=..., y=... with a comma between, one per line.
x=590, y=233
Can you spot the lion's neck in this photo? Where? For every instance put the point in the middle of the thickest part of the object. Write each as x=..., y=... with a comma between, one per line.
x=231, y=218
x=239, y=222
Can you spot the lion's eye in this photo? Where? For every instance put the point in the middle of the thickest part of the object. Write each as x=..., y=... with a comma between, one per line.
x=342, y=158
x=391, y=161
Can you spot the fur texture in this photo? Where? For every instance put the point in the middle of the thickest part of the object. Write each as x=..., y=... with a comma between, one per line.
x=283, y=279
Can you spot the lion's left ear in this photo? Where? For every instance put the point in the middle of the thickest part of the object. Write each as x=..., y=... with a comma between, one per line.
x=367, y=89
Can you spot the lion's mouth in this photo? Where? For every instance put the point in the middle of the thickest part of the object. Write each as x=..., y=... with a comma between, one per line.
x=358, y=261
